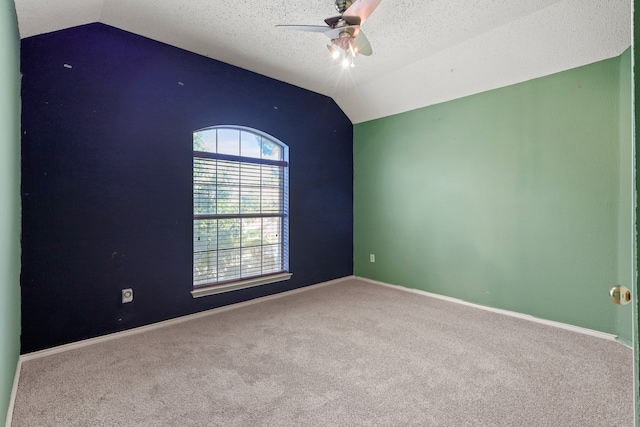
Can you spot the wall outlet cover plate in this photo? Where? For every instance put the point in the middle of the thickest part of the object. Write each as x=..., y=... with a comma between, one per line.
x=127, y=295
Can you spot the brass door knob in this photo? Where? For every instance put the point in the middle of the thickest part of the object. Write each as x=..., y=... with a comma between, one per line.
x=620, y=295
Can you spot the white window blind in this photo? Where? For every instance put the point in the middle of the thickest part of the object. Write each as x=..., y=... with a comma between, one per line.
x=239, y=208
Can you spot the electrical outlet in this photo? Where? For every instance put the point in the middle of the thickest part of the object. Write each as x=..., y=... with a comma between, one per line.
x=372, y=258
x=127, y=295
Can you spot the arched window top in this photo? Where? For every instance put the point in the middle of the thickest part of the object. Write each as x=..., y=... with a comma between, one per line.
x=239, y=141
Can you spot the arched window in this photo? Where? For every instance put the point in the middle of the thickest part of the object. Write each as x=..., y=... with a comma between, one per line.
x=240, y=209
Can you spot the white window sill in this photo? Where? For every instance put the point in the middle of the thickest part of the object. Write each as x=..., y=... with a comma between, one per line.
x=242, y=284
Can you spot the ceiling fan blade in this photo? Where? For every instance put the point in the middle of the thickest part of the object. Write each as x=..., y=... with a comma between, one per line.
x=360, y=9
x=350, y=20
x=332, y=21
x=362, y=44
x=334, y=33
x=306, y=28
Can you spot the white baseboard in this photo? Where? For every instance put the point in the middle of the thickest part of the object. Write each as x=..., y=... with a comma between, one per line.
x=14, y=392
x=553, y=323
x=165, y=323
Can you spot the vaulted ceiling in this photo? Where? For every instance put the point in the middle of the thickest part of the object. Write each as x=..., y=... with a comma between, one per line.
x=425, y=51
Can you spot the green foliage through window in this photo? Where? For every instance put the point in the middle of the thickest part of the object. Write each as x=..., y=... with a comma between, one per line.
x=239, y=205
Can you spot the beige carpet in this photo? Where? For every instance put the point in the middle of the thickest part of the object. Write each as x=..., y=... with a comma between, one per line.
x=346, y=354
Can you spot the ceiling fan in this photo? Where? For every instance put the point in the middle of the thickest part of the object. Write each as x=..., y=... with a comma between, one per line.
x=347, y=40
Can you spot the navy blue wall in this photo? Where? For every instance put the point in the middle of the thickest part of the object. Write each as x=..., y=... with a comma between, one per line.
x=106, y=179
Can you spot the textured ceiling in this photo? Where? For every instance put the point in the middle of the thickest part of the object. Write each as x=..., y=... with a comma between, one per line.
x=425, y=51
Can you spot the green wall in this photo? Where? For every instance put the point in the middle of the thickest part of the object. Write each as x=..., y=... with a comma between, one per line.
x=9, y=202
x=509, y=198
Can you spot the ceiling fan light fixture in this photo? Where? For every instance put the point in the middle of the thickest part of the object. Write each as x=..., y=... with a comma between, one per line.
x=347, y=40
x=335, y=53
x=347, y=59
